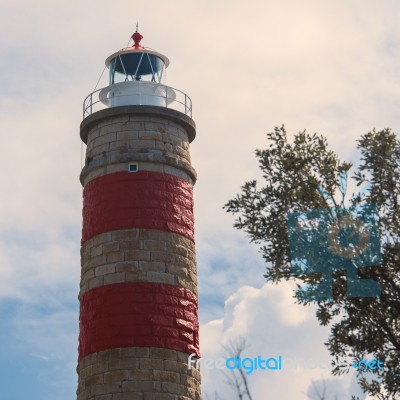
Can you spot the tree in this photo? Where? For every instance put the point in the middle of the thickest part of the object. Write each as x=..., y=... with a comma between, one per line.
x=237, y=379
x=319, y=393
x=305, y=176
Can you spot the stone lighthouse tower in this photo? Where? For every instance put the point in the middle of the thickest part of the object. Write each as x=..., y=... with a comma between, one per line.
x=138, y=292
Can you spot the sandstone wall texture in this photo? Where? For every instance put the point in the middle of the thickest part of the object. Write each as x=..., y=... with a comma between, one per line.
x=138, y=291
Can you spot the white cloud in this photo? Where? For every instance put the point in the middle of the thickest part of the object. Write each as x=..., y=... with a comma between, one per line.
x=330, y=67
x=272, y=325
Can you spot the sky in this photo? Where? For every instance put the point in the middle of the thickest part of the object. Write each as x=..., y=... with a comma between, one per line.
x=330, y=67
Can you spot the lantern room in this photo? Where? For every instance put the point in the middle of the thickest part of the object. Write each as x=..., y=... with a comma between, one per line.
x=137, y=77
x=137, y=63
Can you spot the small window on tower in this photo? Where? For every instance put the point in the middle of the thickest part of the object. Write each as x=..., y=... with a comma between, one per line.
x=133, y=168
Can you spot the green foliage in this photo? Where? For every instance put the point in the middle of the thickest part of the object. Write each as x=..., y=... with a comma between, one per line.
x=305, y=175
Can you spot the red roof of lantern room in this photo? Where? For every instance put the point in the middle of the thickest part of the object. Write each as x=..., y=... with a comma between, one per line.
x=137, y=37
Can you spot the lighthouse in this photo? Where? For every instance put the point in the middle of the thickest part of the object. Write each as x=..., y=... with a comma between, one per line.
x=138, y=321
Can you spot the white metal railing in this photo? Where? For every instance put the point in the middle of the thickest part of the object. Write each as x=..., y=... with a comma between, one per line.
x=137, y=93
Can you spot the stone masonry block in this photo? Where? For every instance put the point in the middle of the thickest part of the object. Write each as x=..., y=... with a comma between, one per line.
x=115, y=256
x=104, y=397
x=117, y=376
x=120, y=118
x=119, y=145
x=142, y=144
x=163, y=354
x=190, y=382
x=153, y=266
x=104, y=139
x=137, y=386
x=95, y=282
x=181, y=151
x=175, y=270
x=143, y=375
x=193, y=277
x=87, y=275
x=172, y=254
x=87, y=362
x=160, y=396
x=84, y=394
x=139, y=276
x=99, y=171
x=150, y=135
x=127, y=266
x=155, y=245
x=85, y=372
x=107, y=129
x=182, y=261
x=162, y=256
x=106, y=388
x=96, y=261
x=112, y=168
x=116, y=372
x=118, y=363
x=100, y=239
x=167, y=376
x=192, y=393
x=182, y=250
x=94, y=380
x=160, y=277
x=109, y=355
x=173, y=388
x=98, y=150
x=93, y=134
x=132, y=126
x=192, y=286
x=152, y=234
x=151, y=363
x=136, y=352
x=84, y=287
x=128, y=396
x=136, y=255
x=96, y=250
x=131, y=245
x=126, y=234
x=114, y=278
x=127, y=135
x=195, y=373
x=105, y=269
x=172, y=139
x=175, y=366
x=182, y=357
x=109, y=247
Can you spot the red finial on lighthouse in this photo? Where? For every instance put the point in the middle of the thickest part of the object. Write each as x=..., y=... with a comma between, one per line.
x=137, y=37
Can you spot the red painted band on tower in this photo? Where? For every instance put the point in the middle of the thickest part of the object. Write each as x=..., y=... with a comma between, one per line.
x=138, y=315
x=144, y=199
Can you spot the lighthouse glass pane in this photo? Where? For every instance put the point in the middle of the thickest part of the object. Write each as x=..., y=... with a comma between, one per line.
x=115, y=76
x=136, y=66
